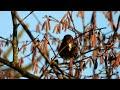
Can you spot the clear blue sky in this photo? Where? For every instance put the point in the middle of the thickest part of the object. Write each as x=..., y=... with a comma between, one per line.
x=6, y=27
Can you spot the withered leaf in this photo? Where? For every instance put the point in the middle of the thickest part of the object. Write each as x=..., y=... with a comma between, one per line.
x=38, y=28
x=66, y=25
x=63, y=26
x=101, y=60
x=81, y=13
x=43, y=26
x=108, y=15
x=87, y=61
x=36, y=69
x=71, y=65
x=95, y=64
x=77, y=72
x=47, y=27
x=42, y=69
x=69, y=22
x=21, y=61
x=93, y=40
x=116, y=64
x=59, y=28
x=55, y=28
x=65, y=16
x=49, y=24
x=24, y=48
x=1, y=51
x=85, y=44
x=93, y=20
x=95, y=54
x=90, y=64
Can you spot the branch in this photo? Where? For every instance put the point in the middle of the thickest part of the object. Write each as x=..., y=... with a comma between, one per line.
x=26, y=17
x=17, y=68
x=15, y=42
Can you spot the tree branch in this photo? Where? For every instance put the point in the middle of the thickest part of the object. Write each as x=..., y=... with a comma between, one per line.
x=19, y=69
x=15, y=42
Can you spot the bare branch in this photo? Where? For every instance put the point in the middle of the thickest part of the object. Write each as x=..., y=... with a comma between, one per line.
x=20, y=70
x=15, y=41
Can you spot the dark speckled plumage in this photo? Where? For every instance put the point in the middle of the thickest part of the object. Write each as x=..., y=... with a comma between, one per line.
x=69, y=52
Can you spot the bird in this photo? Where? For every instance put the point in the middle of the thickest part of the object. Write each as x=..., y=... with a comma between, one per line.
x=68, y=48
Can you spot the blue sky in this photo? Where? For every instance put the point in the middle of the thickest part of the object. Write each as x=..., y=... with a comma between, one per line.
x=6, y=27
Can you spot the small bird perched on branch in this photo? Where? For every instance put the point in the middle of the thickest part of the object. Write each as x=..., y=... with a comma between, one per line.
x=68, y=48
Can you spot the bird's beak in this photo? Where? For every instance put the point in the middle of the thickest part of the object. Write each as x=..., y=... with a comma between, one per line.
x=70, y=46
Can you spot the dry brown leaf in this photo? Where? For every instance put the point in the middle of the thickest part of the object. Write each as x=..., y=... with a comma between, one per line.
x=71, y=65
x=108, y=15
x=59, y=28
x=34, y=62
x=46, y=75
x=110, y=18
x=96, y=76
x=80, y=38
x=42, y=45
x=69, y=22
x=118, y=54
x=99, y=37
x=49, y=24
x=65, y=16
x=43, y=26
x=38, y=28
x=90, y=65
x=81, y=13
x=93, y=40
x=77, y=72
x=47, y=27
x=81, y=64
x=95, y=54
x=34, y=54
x=46, y=43
x=42, y=69
x=55, y=28
x=66, y=26
x=24, y=48
x=116, y=64
x=112, y=24
x=63, y=26
x=101, y=60
x=52, y=77
x=93, y=20
x=118, y=57
x=87, y=61
x=33, y=47
x=21, y=61
x=47, y=37
x=36, y=69
x=85, y=44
